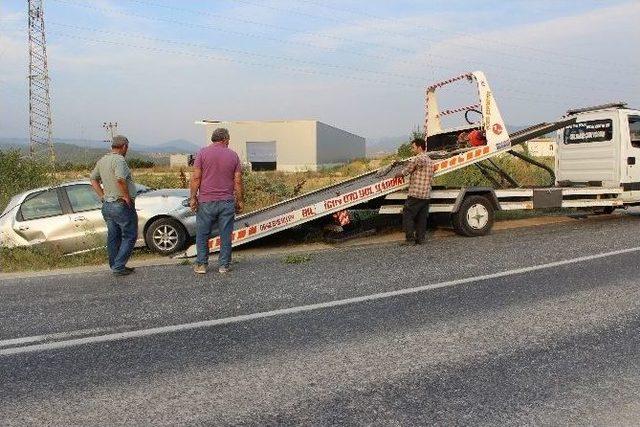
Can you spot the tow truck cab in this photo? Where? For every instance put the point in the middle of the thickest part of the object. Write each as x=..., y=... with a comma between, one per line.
x=602, y=149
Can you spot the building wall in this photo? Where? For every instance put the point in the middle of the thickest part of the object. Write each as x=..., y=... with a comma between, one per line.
x=178, y=160
x=295, y=140
x=336, y=146
x=542, y=147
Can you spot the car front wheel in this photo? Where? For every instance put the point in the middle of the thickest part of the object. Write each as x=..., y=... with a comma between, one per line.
x=166, y=236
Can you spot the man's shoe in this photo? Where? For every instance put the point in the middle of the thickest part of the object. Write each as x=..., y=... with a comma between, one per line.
x=200, y=269
x=419, y=242
x=124, y=272
x=407, y=243
x=224, y=270
x=131, y=269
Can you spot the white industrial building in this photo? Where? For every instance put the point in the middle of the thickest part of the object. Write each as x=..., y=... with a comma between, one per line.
x=289, y=145
x=178, y=160
x=542, y=147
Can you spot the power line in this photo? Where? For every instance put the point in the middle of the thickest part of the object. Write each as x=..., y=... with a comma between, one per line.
x=447, y=32
x=528, y=96
x=243, y=52
x=414, y=79
x=233, y=60
x=395, y=48
x=200, y=12
x=534, y=73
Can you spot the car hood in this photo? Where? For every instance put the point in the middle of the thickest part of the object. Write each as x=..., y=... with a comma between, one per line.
x=165, y=192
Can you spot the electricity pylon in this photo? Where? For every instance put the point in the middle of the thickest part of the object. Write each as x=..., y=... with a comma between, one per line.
x=40, y=142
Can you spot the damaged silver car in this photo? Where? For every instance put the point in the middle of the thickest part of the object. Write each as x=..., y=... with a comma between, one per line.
x=69, y=217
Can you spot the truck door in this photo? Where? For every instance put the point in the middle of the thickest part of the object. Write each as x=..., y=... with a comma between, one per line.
x=631, y=138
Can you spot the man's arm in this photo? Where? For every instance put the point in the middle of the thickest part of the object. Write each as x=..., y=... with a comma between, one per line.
x=95, y=182
x=194, y=186
x=124, y=190
x=97, y=188
x=121, y=172
x=411, y=166
x=238, y=189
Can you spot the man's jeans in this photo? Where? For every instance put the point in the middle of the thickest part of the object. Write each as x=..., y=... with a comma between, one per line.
x=122, y=232
x=414, y=218
x=212, y=215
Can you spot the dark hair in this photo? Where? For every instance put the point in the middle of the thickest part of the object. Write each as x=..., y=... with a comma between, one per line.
x=220, y=134
x=119, y=141
x=419, y=142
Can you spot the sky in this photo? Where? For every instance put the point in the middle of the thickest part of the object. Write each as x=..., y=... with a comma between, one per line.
x=157, y=66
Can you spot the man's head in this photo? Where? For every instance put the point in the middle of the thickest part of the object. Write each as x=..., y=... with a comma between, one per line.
x=120, y=144
x=220, y=135
x=418, y=146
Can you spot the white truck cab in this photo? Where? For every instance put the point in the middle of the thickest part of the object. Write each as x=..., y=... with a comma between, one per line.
x=602, y=149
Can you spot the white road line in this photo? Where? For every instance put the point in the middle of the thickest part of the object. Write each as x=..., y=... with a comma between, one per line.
x=292, y=310
x=52, y=337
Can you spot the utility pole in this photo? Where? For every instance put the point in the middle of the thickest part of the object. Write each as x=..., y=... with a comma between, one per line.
x=40, y=141
x=111, y=129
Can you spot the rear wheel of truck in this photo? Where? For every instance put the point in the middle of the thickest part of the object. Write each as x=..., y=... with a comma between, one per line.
x=474, y=217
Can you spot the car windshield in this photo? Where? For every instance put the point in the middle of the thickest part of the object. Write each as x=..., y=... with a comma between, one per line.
x=143, y=189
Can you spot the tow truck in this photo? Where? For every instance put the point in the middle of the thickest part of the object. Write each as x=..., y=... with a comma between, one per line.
x=597, y=166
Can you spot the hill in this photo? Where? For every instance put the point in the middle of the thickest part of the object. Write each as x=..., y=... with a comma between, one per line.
x=70, y=153
x=173, y=146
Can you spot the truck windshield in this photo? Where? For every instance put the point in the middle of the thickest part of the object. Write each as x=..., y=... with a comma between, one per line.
x=591, y=131
x=634, y=130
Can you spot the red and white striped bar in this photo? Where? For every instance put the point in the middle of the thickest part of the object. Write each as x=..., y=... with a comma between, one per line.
x=449, y=81
x=438, y=85
x=458, y=110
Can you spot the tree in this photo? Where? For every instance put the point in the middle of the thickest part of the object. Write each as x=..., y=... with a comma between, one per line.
x=18, y=173
x=404, y=150
x=136, y=163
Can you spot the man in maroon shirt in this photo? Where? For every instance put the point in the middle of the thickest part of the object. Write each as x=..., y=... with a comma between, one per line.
x=216, y=196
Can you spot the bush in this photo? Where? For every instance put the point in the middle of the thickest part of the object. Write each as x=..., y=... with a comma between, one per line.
x=136, y=163
x=161, y=180
x=404, y=151
x=18, y=174
x=69, y=167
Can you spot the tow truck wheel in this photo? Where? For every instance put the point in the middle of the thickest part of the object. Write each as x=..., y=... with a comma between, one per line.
x=474, y=217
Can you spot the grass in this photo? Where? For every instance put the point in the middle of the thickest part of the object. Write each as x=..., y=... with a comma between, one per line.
x=46, y=258
x=261, y=189
x=531, y=213
x=296, y=258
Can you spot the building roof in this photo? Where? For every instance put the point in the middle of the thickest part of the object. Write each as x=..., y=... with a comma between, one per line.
x=211, y=122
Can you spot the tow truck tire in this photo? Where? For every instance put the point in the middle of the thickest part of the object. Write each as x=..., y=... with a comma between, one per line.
x=474, y=217
x=166, y=236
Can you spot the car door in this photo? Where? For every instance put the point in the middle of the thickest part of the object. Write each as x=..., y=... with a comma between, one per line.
x=88, y=227
x=41, y=220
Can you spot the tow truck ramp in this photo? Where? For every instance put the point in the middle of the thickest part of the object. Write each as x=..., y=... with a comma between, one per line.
x=382, y=182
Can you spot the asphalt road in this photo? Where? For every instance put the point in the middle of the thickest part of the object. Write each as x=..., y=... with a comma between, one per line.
x=531, y=326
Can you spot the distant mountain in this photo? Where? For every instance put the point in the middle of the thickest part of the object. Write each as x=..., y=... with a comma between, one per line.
x=71, y=153
x=173, y=146
x=388, y=144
